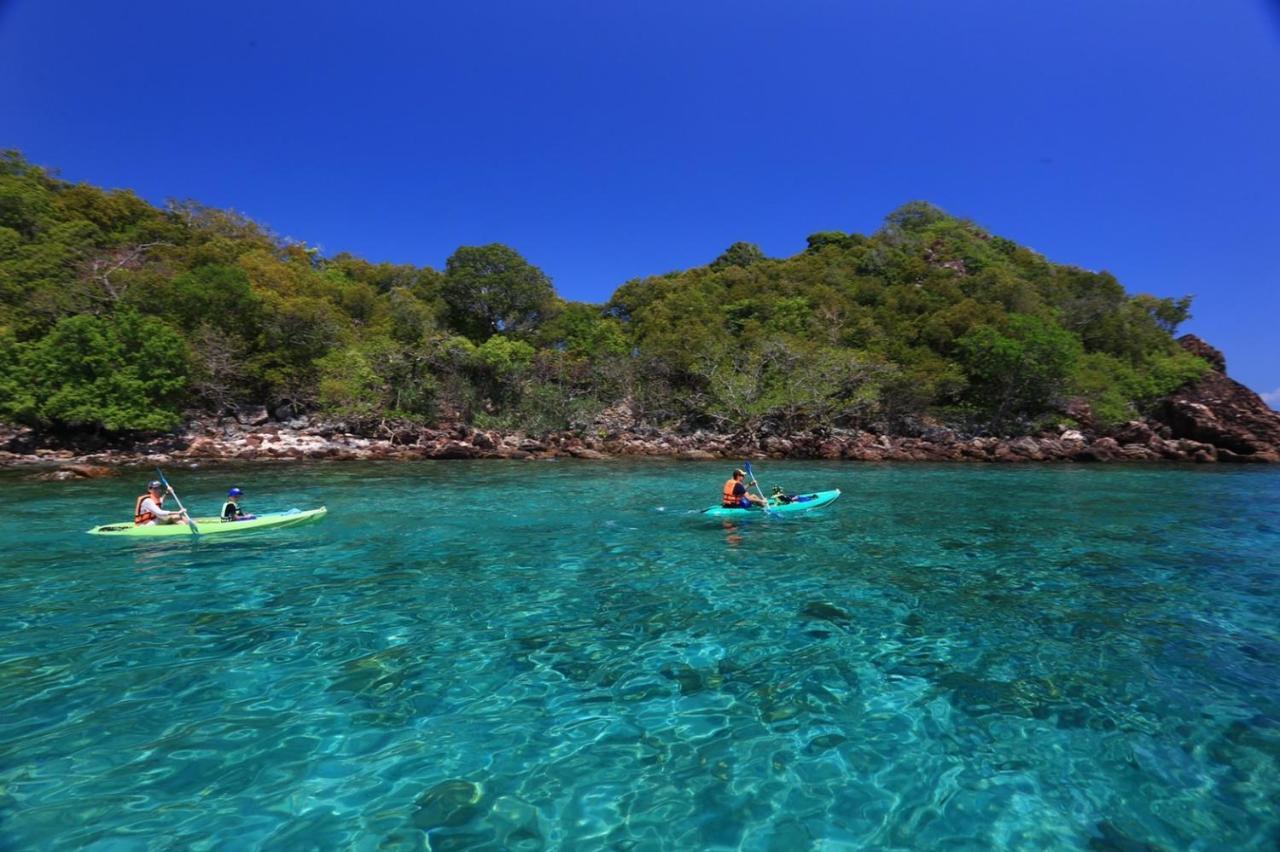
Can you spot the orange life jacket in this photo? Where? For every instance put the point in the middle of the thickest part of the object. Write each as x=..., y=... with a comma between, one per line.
x=731, y=499
x=141, y=517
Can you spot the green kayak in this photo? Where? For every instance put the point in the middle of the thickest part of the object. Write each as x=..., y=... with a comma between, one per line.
x=798, y=503
x=212, y=526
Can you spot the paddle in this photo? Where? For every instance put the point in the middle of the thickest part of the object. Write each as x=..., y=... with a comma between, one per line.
x=746, y=465
x=190, y=523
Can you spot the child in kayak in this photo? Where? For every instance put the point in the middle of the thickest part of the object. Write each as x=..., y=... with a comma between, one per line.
x=736, y=495
x=231, y=510
x=149, y=509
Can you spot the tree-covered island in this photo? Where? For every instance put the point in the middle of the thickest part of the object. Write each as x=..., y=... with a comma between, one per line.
x=120, y=319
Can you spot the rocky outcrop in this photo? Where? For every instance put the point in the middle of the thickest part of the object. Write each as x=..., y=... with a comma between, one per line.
x=1203, y=350
x=1220, y=411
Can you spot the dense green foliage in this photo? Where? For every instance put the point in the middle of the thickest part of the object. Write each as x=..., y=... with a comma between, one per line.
x=118, y=315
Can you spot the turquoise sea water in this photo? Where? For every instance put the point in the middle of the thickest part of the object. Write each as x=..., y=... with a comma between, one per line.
x=524, y=655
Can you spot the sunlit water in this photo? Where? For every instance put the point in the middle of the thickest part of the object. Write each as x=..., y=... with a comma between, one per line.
x=528, y=655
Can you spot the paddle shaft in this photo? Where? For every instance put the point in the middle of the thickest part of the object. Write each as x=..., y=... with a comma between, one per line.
x=190, y=523
x=754, y=481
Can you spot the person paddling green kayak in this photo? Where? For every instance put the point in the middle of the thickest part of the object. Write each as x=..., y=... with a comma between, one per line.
x=152, y=520
x=149, y=510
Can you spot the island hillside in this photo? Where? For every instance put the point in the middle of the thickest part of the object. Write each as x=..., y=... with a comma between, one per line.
x=128, y=330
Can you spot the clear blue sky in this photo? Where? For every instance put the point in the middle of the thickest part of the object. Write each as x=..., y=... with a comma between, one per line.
x=609, y=140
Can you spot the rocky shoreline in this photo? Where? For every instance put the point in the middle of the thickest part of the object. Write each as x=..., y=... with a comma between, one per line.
x=1214, y=420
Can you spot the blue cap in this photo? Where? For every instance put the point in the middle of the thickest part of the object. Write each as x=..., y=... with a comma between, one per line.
x=234, y=492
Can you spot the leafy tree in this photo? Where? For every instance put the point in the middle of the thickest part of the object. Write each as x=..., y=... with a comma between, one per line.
x=739, y=254
x=491, y=290
x=25, y=201
x=220, y=296
x=1117, y=390
x=500, y=369
x=349, y=385
x=789, y=315
x=822, y=239
x=409, y=318
x=1167, y=314
x=1019, y=371
x=296, y=334
x=914, y=216
x=582, y=329
x=121, y=372
x=504, y=356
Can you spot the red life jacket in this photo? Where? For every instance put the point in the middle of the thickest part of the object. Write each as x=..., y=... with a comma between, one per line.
x=141, y=517
x=729, y=498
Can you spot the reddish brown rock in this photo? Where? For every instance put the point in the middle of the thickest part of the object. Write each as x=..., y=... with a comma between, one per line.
x=54, y=476
x=1133, y=432
x=832, y=449
x=1103, y=449
x=1027, y=447
x=1052, y=449
x=90, y=471
x=1138, y=452
x=453, y=450
x=1265, y=457
x=1081, y=412
x=1219, y=411
x=1200, y=349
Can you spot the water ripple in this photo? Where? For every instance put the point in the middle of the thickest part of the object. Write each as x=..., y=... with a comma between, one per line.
x=535, y=656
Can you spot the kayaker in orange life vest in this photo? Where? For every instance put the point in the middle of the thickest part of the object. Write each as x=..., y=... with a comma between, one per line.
x=149, y=508
x=736, y=495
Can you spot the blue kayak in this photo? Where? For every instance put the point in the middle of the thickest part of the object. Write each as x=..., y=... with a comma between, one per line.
x=794, y=505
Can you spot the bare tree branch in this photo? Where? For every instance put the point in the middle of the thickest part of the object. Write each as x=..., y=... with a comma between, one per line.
x=101, y=268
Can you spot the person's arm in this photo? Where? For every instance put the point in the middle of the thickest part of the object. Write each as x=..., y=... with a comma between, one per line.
x=161, y=514
x=150, y=505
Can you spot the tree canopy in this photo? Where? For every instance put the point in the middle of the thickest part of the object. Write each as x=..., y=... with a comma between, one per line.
x=116, y=314
x=493, y=290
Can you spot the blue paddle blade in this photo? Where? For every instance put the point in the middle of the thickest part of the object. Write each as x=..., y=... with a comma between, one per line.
x=746, y=465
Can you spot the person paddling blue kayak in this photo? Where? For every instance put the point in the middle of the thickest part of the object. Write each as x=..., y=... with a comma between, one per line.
x=737, y=501
x=736, y=495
